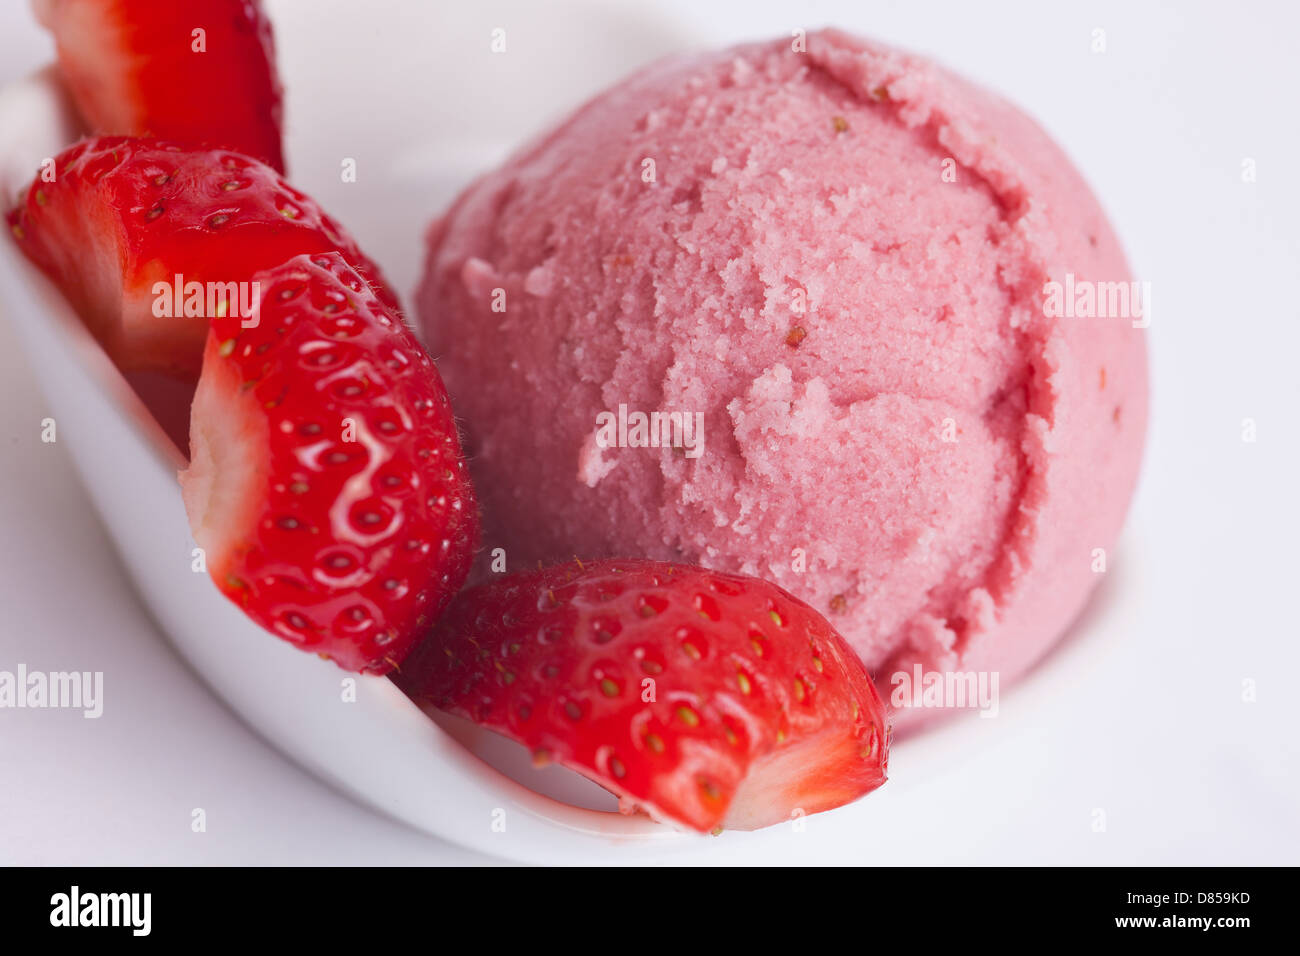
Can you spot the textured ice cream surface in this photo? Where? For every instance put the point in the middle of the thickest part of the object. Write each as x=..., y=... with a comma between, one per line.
x=838, y=257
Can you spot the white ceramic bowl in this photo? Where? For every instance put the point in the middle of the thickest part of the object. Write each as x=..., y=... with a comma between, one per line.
x=950, y=798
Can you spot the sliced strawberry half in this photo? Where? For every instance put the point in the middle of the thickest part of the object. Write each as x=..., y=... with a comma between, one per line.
x=127, y=220
x=200, y=71
x=706, y=699
x=326, y=484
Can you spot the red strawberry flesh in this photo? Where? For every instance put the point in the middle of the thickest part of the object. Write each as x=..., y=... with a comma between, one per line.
x=326, y=484
x=135, y=68
x=706, y=699
x=123, y=215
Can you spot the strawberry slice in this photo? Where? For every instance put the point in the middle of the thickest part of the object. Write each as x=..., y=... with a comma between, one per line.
x=124, y=218
x=326, y=484
x=706, y=699
x=201, y=72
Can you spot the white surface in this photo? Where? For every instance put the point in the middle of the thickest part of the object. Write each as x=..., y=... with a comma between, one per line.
x=1139, y=715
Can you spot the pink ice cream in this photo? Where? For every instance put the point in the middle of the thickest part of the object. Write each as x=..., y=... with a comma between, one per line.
x=839, y=258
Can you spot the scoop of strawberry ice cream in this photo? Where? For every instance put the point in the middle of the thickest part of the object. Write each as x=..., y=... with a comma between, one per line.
x=837, y=257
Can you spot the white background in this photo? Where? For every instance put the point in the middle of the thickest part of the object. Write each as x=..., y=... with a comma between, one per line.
x=1139, y=715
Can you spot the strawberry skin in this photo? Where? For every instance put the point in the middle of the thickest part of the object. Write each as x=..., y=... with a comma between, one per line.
x=326, y=484
x=706, y=699
x=133, y=70
x=124, y=214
